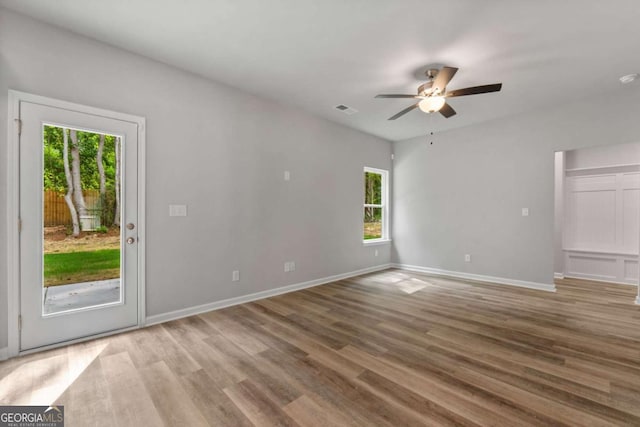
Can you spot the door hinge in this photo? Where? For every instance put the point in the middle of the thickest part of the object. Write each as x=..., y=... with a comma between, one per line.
x=19, y=126
x=20, y=322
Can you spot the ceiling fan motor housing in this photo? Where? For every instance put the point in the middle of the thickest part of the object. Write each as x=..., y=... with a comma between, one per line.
x=431, y=73
x=425, y=88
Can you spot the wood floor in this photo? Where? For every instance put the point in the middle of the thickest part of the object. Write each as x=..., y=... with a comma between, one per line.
x=386, y=349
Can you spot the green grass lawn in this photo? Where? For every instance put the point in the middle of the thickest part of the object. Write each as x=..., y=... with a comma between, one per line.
x=78, y=267
x=372, y=230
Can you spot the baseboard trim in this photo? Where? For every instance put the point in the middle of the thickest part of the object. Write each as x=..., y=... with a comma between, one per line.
x=547, y=287
x=601, y=280
x=558, y=275
x=4, y=353
x=216, y=305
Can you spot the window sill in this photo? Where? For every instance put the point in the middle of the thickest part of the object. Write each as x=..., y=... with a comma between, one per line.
x=374, y=242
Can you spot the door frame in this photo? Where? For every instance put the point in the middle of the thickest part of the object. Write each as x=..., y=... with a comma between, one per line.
x=13, y=211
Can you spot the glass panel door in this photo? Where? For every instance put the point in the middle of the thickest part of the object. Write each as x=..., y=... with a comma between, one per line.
x=78, y=184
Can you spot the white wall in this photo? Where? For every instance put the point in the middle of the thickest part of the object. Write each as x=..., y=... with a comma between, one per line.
x=558, y=193
x=218, y=150
x=608, y=155
x=464, y=194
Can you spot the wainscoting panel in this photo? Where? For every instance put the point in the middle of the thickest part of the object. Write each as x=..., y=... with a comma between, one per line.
x=631, y=270
x=615, y=268
x=630, y=224
x=602, y=224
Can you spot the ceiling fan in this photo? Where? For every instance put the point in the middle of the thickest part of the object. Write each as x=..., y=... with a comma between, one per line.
x=432, y=94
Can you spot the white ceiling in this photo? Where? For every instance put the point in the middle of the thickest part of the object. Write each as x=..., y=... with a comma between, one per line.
x=316, y=54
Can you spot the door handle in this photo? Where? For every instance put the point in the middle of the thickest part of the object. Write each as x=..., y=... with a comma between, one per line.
x=131, y=240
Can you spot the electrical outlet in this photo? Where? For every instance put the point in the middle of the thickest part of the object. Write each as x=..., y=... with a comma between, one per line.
x=287, y=175
x=375, y=253
x=292, y=266
x=177, y=210
x=287, y=267
x=525, y=211
x=235, y=276
x=467, y=258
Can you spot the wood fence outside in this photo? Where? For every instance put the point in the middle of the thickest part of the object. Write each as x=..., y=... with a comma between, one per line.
x=56, y=211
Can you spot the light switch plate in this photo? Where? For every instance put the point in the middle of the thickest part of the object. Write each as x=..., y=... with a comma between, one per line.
x=287, y=175
x=525, y=211
x=177, y=210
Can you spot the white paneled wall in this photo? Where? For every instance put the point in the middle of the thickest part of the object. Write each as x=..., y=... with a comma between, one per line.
x=602, y=223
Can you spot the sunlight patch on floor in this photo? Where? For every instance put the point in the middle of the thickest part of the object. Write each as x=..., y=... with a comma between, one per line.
x=391, y=278
x=42, y=381
x=412, y=285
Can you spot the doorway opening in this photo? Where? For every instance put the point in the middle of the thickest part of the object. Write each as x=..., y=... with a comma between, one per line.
x=597, y=214
x=76, y=174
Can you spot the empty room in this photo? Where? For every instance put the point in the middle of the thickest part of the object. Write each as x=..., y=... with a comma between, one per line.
x=319, y=213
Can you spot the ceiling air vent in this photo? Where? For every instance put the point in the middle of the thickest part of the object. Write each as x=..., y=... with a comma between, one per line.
x=346, y=109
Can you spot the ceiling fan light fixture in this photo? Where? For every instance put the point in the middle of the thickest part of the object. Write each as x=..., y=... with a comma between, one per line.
x=433, y=93
x=628, y=78
x=431, y=104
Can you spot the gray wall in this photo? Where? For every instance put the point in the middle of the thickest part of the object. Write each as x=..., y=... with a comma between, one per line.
x=622, y=154
x=218, y=150
x=464, y=194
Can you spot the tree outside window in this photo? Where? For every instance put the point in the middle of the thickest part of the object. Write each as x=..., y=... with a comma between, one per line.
x=375, y=204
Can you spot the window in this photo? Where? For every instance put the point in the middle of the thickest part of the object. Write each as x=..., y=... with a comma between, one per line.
x=375, y=205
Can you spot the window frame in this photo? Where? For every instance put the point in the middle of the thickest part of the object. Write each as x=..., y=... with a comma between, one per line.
x=384, y=196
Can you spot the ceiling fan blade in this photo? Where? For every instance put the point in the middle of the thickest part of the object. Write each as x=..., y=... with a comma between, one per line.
x=447, y=111
x=403, y=112
x=395, y=95
x=443, y=78
x=475, y=90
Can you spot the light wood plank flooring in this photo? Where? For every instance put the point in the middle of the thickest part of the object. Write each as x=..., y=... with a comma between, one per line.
x=386, y=349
